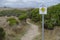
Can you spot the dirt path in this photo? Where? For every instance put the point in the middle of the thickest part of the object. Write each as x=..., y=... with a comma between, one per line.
x=31, y=33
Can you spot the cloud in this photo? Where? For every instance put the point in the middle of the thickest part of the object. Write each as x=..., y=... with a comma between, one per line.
x=11, y=0
x=27, y=3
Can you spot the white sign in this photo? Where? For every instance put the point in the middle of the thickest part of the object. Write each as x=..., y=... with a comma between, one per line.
x=43, y=10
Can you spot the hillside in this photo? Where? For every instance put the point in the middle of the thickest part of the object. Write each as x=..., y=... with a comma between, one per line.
x=53, y=21
x=8, y=8
x=25, y=23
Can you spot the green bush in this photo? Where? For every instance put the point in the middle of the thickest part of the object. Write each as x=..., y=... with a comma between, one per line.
x=2, y=33
x=35, y=15
x=49, y=24
x=12, y=21
x=58, y=23
x=14, y=12
x=22, y=17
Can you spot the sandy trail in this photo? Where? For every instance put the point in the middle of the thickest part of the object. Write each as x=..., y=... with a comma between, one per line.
x=31, y=33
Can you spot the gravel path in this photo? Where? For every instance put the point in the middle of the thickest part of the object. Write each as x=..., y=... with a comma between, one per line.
x=31, y=33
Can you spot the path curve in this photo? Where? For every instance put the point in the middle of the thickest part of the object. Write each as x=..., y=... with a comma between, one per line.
x=31, y=33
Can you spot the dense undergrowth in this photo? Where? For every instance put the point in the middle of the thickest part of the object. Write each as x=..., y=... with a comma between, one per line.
x=52, y=18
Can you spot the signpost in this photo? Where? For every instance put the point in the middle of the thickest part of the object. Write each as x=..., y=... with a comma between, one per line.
x=43, y=11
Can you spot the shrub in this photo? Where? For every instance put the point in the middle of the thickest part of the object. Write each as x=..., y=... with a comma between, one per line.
x=23, y=17
x=12, y=21
x=58, y=23
x=35, y=15
x=49, y=24
x=2, y=33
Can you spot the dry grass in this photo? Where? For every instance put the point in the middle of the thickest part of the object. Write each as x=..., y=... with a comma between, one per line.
x=52, y=34
x=15, y=32
x=38, y=37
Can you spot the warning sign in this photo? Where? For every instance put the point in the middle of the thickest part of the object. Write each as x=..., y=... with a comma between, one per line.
x=43, y=10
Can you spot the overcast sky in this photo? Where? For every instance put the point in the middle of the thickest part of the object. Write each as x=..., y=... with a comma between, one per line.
x=27, y=3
